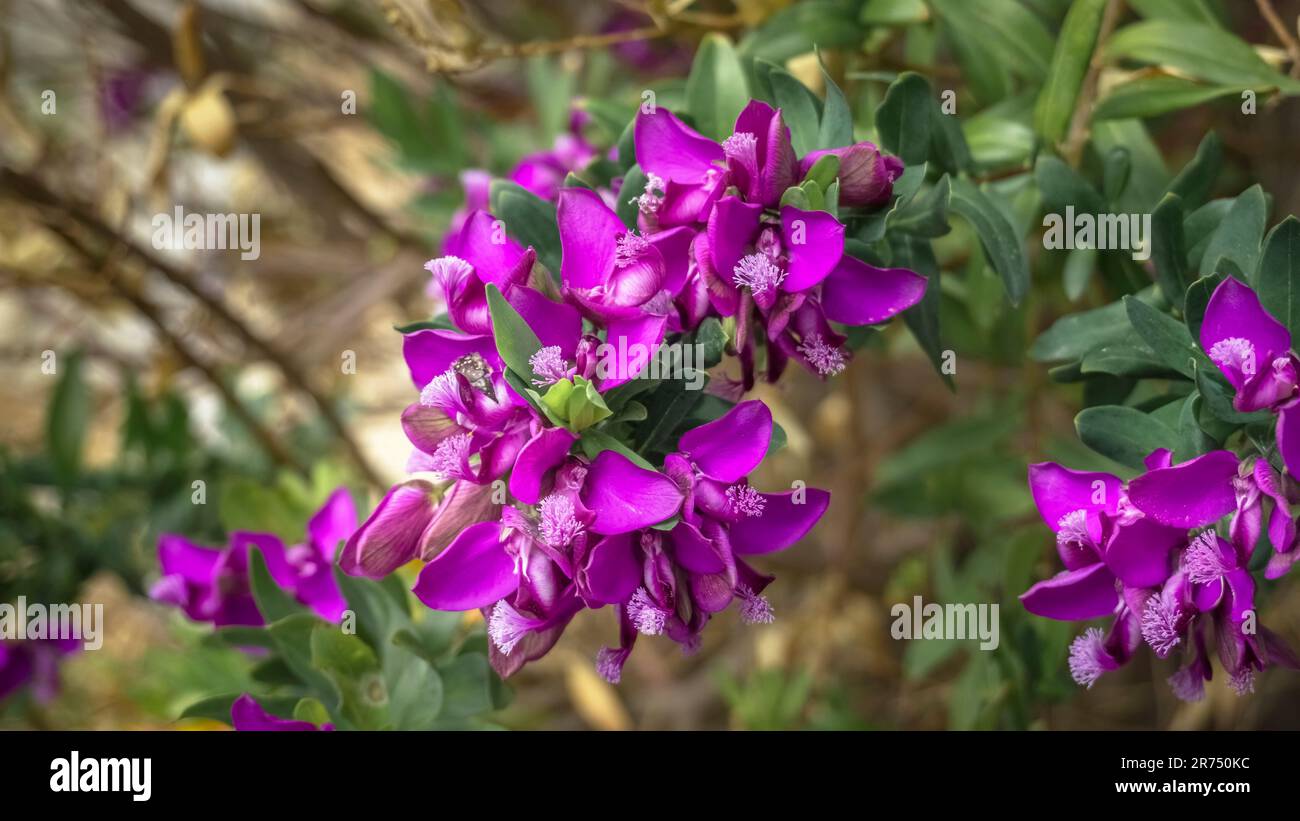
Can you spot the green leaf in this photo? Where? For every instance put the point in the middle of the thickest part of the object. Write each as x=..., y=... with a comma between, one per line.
x=594, y=441
x=800, y=109
x=948, y=146
x=1192, y=440
x=470, y=687
x=67, y=418
x=1079, y=265
x=1197, y=50
x=904, y=118
x=293, y=638
x=922, y=319
x=1061, y=186
x=1124, y=434
x=272, y=602
x=1166, y=336
x=1198, y=296
x=311, y=710
x=1074, y=47
x=530, y=219
x=1007, y=25
x=998, y=238
x=354, y=669
x=836, y=128
x=1218, y=395
x=634, y=182
x=1238, y=236
x=894, y=12
x=1278, y=279
x=925, y=215
x=1190, y=11
x=1074, y=335
x=515, y=341
x=1153, y=96
x=1169, y=249
x=716, y=90
x=1195, y=182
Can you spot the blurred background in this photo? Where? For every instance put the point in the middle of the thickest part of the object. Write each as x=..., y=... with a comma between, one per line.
x=349, y=126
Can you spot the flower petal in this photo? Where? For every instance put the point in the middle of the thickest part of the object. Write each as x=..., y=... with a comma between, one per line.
x=543, y=452
x=625, y=497
x=732, y=229
x=732, y=445
x=474, y=571
x=1234, y=312
x=1058, y=490
x=612, y=572
x=1139, y=552
x=431, y=352
x=782, y=523
x=588, y=234
x=391, y=536
x=856, y=293
x=1191, y=494
x=1074, y=595
x=814, y=242
x=668, y=148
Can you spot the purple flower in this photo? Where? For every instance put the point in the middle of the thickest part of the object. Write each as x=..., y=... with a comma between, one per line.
x=33, y=663
x=866, y=175
x=480, y=253
x=212, y=585
x=247, y=715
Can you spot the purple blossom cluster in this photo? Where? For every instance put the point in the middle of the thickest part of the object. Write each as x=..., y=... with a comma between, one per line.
x=1156, y=555
x=515, y=507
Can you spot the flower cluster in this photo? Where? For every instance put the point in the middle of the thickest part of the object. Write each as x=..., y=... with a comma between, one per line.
x=527, y=499
x=213, y=584
x=1157, y=555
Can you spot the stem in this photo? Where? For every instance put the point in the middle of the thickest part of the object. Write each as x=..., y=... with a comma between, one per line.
x=1079, y=121
x=1279, y=28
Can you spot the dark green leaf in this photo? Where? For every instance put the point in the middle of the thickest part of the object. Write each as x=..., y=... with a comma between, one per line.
x=515, y=341
x=836, y=127
x=1239, y=235
x=1074, y=47
x=998, y=238
x=1197, y=50
x=1278, y=277
x=530, y=219
x=1169, y=249
x=904, y=118
x=67, y=417
x=1153, y=96
x=716, y=90
x=1195, y=182
x=1124, y=434
x=1167, y=337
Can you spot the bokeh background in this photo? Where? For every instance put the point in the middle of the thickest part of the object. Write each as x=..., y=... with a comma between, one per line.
x=176, y=367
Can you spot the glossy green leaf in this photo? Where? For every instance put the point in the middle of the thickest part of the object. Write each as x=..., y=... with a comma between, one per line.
x=997, y=237
x=1070, y=59
x=716, y=89
x=1124, y=434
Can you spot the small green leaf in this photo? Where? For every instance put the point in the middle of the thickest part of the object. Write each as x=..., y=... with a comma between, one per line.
x=998, y=238
x=67, y=418
x=1124, y=434
x=272, y=602
x=904, y=118
x=1169, y=249
x=1279, y=274
x=1195, y=182
x=1239, y=235
x=1166, y=336
x=800, y=109
x=530, y=219
x=894, y=12
x=1073, y=52
x=836, y=127
x=925, y=215
x=716, y=89
x=515, y=341
x=1197, y=50
x=1153, y=96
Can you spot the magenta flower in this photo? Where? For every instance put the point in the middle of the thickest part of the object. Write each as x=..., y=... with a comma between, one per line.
x=212, y=585
x=247, y=715
x=34, y=664
x=866, y=175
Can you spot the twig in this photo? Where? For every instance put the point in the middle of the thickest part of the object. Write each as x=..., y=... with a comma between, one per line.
x=150, y=312
x=1279, y=28
x=37, y=193
x=1078, y=134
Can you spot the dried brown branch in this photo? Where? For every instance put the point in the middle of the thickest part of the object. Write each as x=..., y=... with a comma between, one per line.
x=1284, y=34
x=35, y=192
